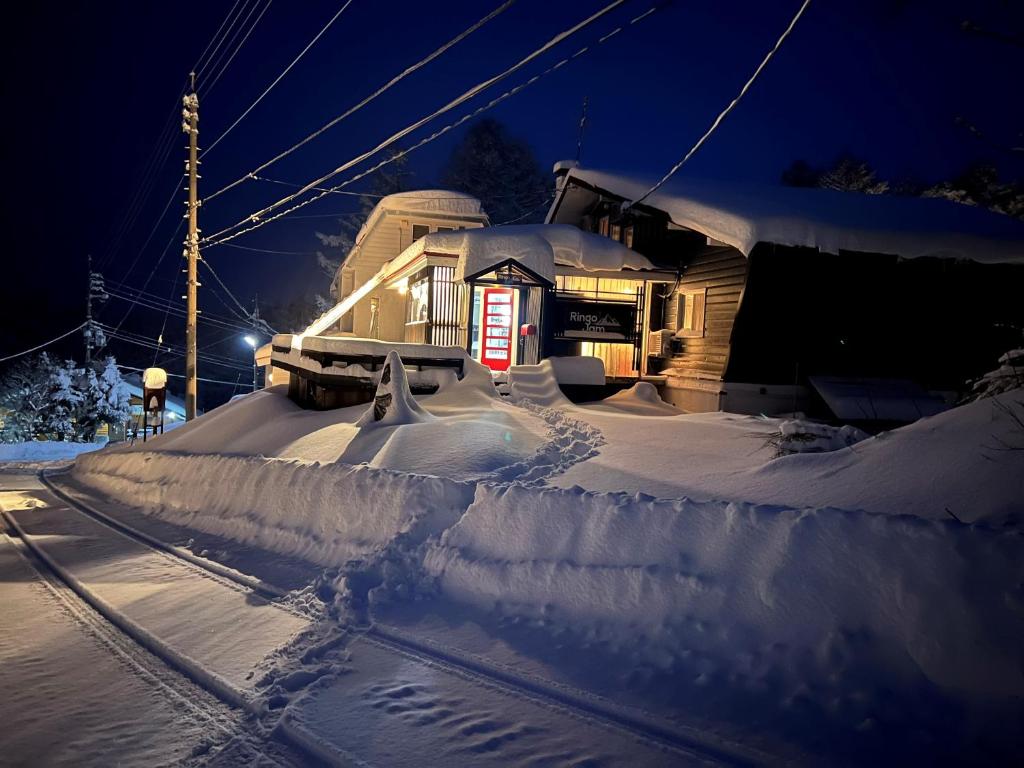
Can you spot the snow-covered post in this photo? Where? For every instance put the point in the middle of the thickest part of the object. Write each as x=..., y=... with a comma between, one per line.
x=393, y=402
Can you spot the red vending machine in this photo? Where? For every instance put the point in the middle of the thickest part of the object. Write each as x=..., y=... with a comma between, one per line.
x=496, y=350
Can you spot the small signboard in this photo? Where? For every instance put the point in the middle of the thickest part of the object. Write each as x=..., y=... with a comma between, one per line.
x=608, y=321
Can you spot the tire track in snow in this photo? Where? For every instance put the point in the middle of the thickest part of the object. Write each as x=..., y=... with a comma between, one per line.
x=227, y=729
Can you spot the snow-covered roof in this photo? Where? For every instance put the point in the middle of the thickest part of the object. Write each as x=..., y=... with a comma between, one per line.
x=743, y=215
x=423, y=202
x=538, y=247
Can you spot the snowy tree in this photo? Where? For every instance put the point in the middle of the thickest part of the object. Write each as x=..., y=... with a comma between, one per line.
x=850, y=174
x=105, y=399
x=980, y=185
x=62, y=398
x=23, y=389
x=49, y=399
x=387, y=180
x=501, y=172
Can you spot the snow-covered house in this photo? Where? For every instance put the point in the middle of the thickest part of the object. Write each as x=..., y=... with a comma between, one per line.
x=395, y=223
x=785, y=294
x=512, y=295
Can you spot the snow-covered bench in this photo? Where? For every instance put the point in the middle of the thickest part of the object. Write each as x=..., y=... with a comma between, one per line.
x=338, y=371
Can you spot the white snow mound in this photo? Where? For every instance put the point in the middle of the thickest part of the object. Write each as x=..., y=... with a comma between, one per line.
x=393, y=402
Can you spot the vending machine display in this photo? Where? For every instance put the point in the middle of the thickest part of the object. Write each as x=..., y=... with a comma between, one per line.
x=497, y=325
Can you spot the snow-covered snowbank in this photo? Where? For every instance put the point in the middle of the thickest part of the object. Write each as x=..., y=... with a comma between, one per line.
x=814, y=596
x=45, y=450
x=327, y=514
x=961, y=460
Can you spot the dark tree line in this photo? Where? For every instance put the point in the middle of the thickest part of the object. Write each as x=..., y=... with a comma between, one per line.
x=979, y=184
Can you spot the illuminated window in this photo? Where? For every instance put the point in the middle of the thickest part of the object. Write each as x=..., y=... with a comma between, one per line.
x=418, y=305
x=602, y=226
x=627, y=236
x=690, y=321
x=616, y=232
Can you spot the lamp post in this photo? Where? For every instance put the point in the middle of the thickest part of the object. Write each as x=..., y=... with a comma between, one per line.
x=251, y=341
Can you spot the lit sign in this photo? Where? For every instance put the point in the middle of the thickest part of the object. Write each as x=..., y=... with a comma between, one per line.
x=497, y=340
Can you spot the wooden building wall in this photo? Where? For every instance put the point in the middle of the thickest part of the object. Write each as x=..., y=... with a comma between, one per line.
x=935, y=321
x=722, y=274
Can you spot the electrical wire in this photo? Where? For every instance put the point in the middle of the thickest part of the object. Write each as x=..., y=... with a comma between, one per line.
x=279, y=77
x=267, y=250
x=722, y=115
x=179, y=312
x=252, y=319
x=207, y=89
x=230, y=20
x=44, y=344
x=426, y=140
x=199, y=66
x=461, y=99
x=351, y=110
x=179, y=375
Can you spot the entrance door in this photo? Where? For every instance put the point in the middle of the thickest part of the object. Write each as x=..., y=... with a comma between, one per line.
x=496, y=346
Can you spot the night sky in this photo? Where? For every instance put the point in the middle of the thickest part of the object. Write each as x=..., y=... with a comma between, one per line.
x=89, y=86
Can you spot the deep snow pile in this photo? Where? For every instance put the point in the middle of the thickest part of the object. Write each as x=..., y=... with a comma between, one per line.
x=960, y=460
x=857, y=612
x=326, y=514
x=393, y=402
x=721, y=583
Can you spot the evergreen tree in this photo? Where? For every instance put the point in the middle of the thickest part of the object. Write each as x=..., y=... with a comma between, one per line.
x=979, y=185
x=851, y=174
x=105, y=399
x=23, y=390
x=62, y=398
x=501, y=172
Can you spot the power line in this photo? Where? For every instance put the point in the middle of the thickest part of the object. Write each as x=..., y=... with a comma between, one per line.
x=44, y=344
x=232, y=17
x=351, y=110
x=177, y=311
x=258, y=222
x=229, y=38
x=722, y=115
x=161, y=149
x=278, y=79
x=199, y=66
x=156, y=266
x=461, y=99
x=178, y=375
x=208, y=88
x=267, y=250
x=252, y=319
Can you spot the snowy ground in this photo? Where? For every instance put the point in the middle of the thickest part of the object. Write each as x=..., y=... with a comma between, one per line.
x=39, y=454
x=661, y=570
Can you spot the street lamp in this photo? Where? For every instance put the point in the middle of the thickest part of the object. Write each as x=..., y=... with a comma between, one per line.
x=252, y=342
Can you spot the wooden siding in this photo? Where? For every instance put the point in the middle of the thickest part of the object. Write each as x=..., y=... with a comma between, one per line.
x=722, y=275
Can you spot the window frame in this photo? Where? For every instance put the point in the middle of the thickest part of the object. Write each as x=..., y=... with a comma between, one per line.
x=696, y=298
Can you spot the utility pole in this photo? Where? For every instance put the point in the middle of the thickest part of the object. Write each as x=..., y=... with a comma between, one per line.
x=190, y=125
x=97, y=292
x=88, y=314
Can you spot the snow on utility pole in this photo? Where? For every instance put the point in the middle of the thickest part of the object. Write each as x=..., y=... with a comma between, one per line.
x=97, y=292
x=190, y=125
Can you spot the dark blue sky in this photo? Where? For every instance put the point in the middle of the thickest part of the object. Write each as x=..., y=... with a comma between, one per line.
x=89, y=86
